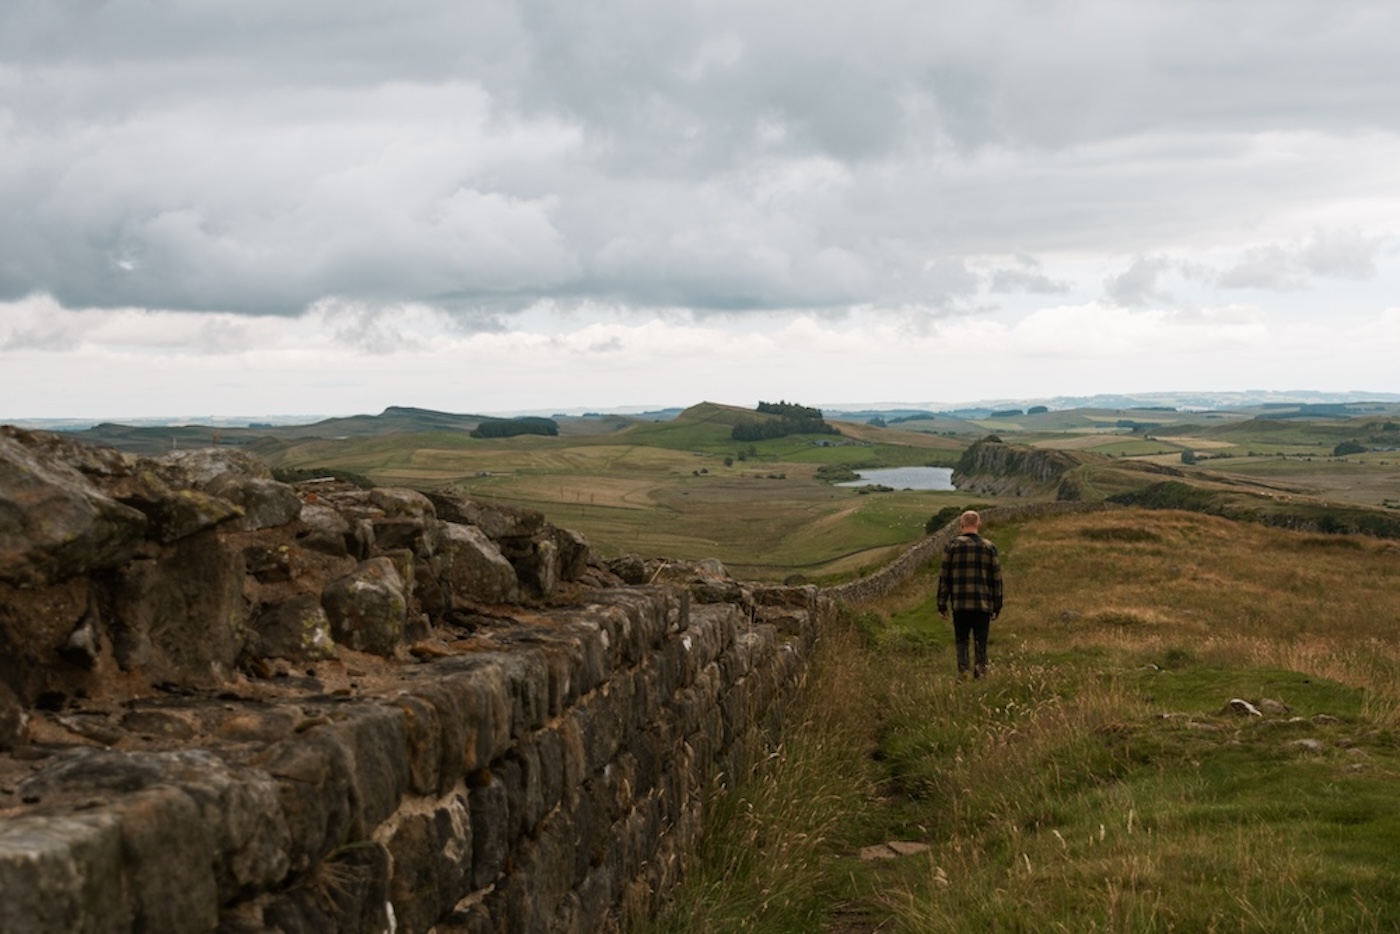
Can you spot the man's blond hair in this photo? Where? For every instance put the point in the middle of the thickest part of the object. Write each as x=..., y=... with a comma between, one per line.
x=970, y=520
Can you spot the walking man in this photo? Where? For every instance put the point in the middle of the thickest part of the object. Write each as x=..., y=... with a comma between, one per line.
x=970, y=584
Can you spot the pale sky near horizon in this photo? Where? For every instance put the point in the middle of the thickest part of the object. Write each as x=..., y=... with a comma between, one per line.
x=248, y=206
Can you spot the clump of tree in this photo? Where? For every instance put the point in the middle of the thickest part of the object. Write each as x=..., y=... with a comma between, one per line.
x=1038, y=410
x=1348, y=447
x=792, y=419
x=836, y=473
x=510, y=427
x=1006, y=413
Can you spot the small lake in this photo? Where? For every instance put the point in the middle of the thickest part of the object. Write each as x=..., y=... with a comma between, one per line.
x=906, y=478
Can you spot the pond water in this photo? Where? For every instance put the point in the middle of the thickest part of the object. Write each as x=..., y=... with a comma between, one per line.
x=906, y=478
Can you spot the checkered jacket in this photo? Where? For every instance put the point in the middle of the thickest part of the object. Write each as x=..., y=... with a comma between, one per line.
x=970, y=578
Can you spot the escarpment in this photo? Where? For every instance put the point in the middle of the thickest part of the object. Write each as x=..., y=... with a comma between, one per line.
x=232, y=704
x=993, y=468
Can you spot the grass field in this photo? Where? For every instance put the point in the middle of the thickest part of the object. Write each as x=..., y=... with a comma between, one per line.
x=684, y=488
x=681, y=488
x=1094, y=782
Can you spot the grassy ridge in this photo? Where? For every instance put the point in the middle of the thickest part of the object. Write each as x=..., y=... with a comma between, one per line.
x=1093, y=782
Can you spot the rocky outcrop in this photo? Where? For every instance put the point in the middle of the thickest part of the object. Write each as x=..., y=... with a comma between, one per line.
x=378, y=710
x=993, y=468
x=120, y=573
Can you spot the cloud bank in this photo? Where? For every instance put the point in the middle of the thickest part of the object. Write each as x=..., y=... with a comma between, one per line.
x=374, y=182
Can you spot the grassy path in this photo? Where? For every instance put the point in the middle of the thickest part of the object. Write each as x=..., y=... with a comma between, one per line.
x=1096, y=781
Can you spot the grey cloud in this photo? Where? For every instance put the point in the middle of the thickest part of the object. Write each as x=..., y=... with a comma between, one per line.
x=1341, y=255
x=1345, y=254
x=257, y=156
x=1026, y=276
x=1139, y=283
x=1271, y=267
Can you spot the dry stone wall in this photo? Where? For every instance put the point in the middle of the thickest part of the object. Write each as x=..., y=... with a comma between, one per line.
x=228, y=704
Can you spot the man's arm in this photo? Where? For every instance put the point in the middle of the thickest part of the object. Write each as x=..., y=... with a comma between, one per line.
x=998, y=591
x=944, y=586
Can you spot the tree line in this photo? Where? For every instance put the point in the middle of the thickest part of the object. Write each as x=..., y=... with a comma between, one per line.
x=792, y=419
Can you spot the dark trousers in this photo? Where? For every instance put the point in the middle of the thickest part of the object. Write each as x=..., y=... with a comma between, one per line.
x=972, y=625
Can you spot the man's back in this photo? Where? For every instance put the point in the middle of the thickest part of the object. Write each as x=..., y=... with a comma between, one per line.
x=970, y=578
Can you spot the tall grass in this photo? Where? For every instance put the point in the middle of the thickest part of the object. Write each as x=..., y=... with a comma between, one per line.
x=1093, y=782
x=765, y=862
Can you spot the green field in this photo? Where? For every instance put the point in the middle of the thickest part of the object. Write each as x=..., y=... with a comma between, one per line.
x=682, y=487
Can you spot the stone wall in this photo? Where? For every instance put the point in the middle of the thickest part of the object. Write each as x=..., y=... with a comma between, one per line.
x=231, y=705
x=549, y=779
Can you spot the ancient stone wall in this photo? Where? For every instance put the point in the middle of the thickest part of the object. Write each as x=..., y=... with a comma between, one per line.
x=549, y=779
x=231, y=705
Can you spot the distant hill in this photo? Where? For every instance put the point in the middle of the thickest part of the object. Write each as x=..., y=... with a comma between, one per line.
x=709, y=423
x=157, y=439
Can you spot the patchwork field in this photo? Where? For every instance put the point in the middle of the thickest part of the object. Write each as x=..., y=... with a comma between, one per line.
x=684, y=488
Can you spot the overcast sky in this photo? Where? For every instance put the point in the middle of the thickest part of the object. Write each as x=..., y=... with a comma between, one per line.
x=332, y=206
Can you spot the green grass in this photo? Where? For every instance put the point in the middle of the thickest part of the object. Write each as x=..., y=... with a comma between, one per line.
x=1095, y=781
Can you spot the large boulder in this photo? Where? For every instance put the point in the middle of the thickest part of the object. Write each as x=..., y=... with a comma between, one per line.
x=54, y=523
x=265, y=503
x=325, y=530
x=497, y=522
x=202, y=466
x=181, y=616
x=296, y=629
x=367, y=608
x=477, y=572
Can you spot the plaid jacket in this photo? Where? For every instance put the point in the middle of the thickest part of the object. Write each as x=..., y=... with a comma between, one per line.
x=970, y=578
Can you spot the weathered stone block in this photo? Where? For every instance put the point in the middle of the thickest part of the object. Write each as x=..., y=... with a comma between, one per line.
x=432, y=859
x=424, y=734
x=315, y=790
x=265, y=503
x=168, y=860
x=181, y=617
x=297, y=629
x=347, y=892
x=62, y=875
x=490, y=822
x=479, y=572
x=327, y=531
x=367, y=607
x=398, y=502
x=376, y=739
x=498, y=522
x=54, y=524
